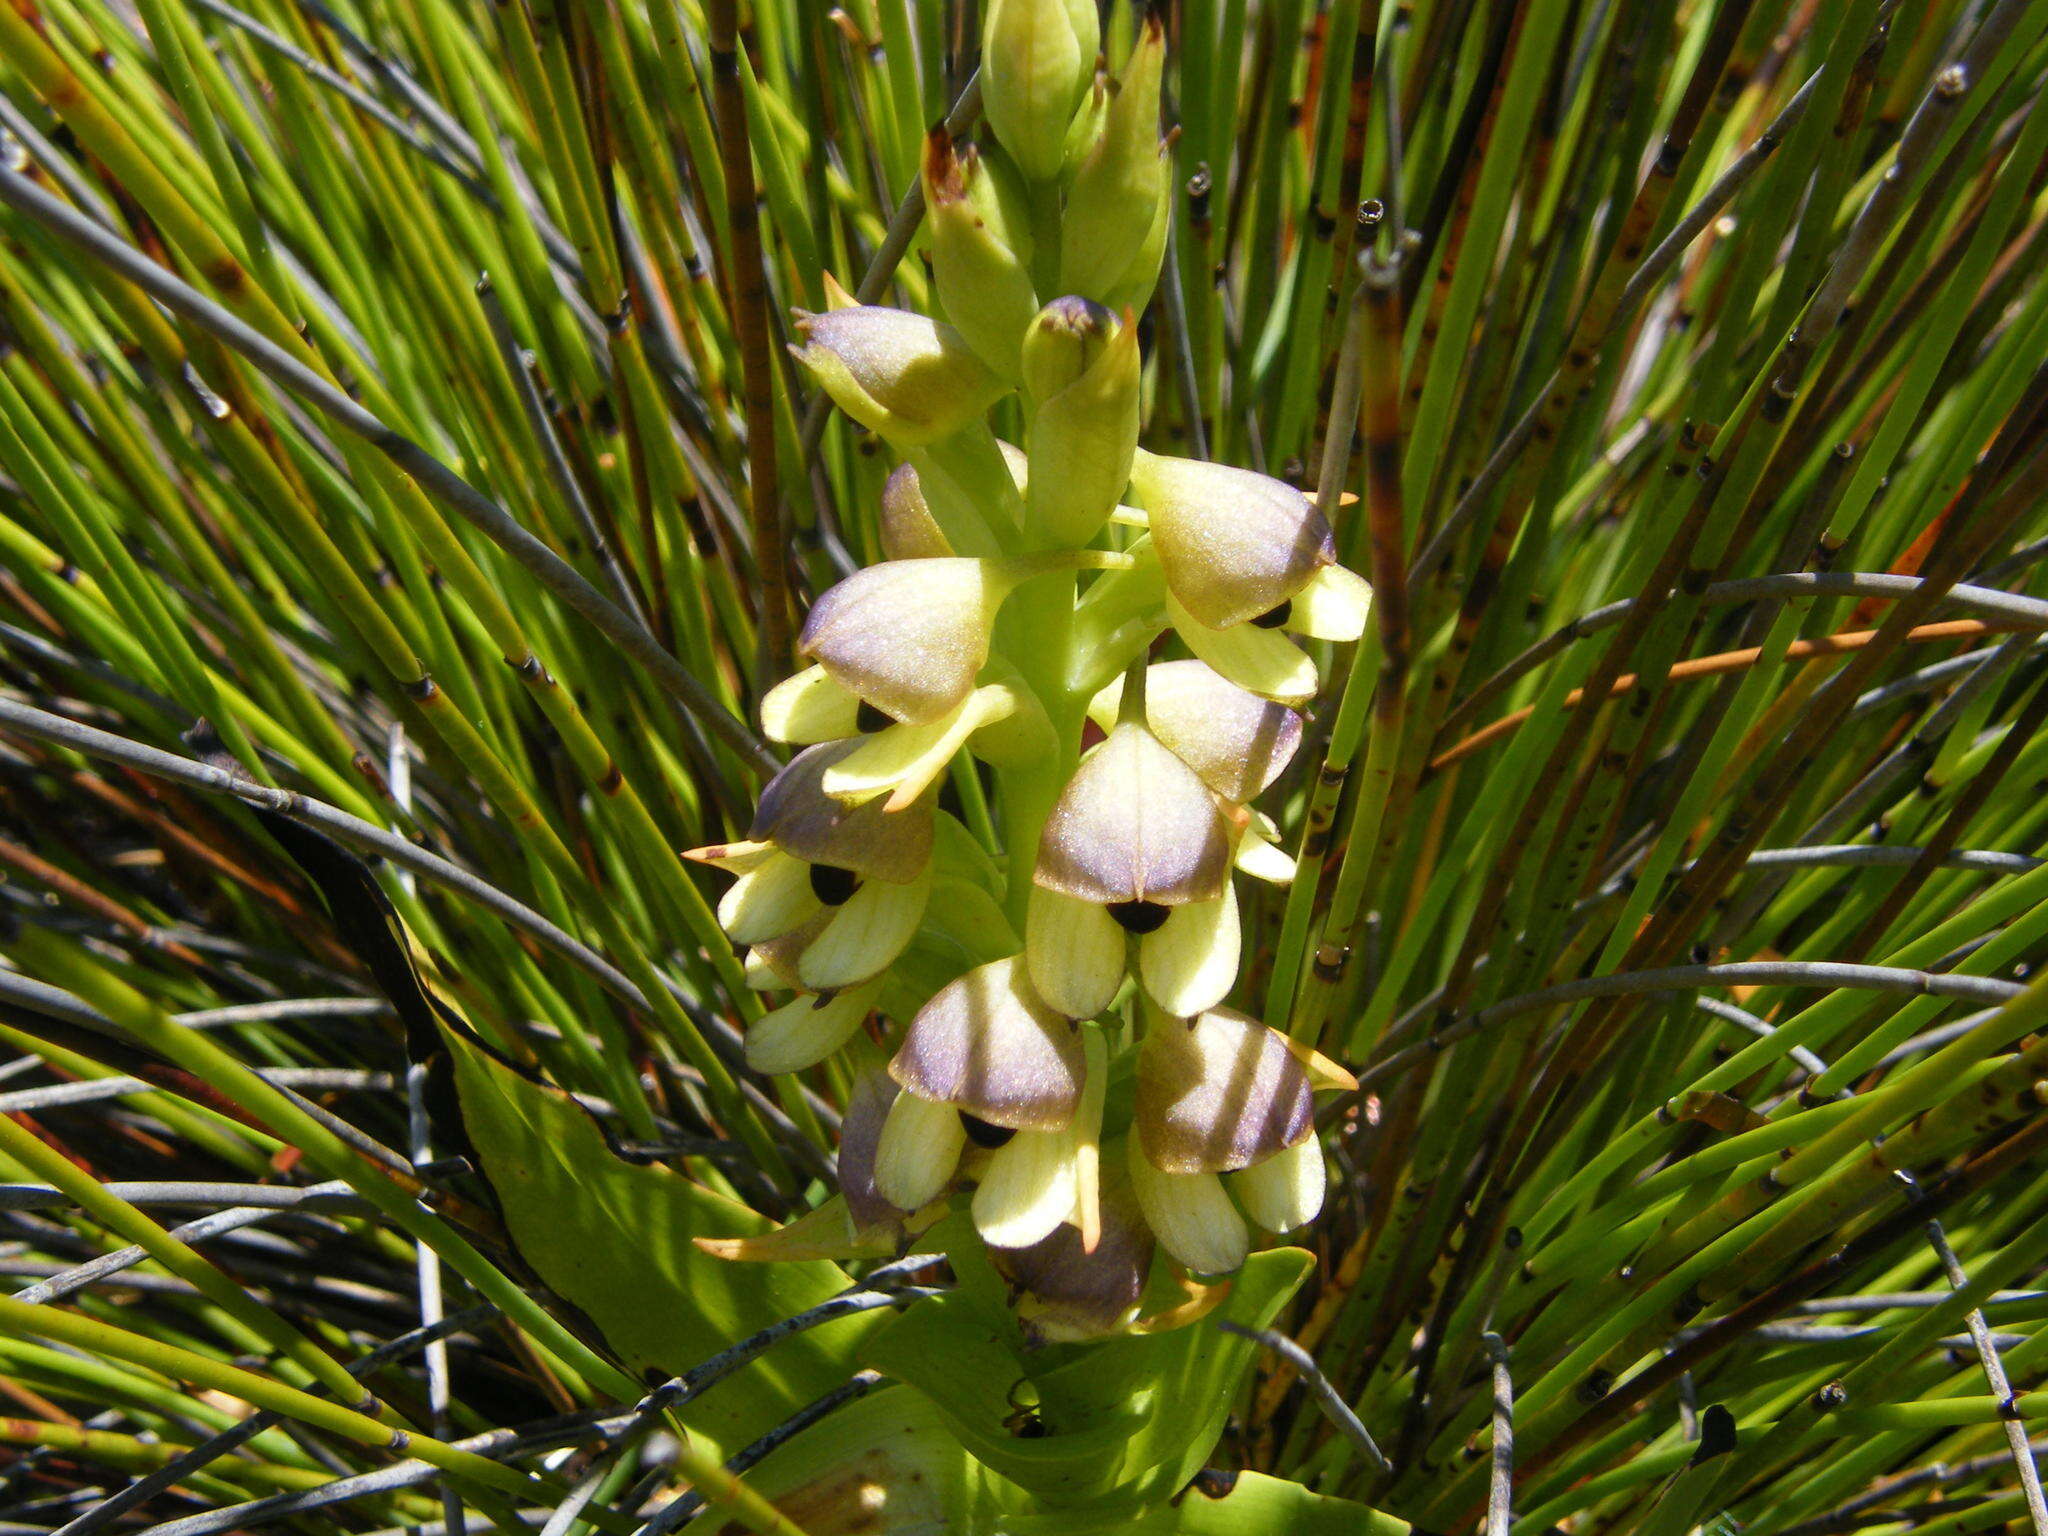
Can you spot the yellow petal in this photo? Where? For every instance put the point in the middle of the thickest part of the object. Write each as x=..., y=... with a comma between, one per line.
x=1323, y=1073
x=1333, y=606
x=1189, y=962
x=768, y=900
x=919, y=1149
x=733, y=858
x=903, y=760
x=1088, y=1141
x=1027, y=1189
x=807, y=1029
x=1262, y=858
x=1074, y=951
x=1286, y=1190
x=868, y=932
x=1190, y=1215
x=808, y=708
x=1261, y=661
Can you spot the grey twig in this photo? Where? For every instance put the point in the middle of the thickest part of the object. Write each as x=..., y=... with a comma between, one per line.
x=685, y=1507
x=368, y=838
x=1781, y=973
x=1994, y=1374
x=1501, y=1486
x=1328, y=1398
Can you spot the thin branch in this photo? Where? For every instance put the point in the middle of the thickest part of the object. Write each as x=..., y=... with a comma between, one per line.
x=1328, y=1398
x=1501, y=1483
x=2001, y=1388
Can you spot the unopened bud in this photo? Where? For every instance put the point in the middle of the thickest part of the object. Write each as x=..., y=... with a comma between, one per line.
x=900, y=374
x=909, y=531
x=1081, y=368
x=1121, y=180
x=981, y=250
x=1131, y=292
x=1037, y=57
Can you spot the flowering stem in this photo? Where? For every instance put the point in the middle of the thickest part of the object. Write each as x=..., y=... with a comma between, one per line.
x=1036, y=635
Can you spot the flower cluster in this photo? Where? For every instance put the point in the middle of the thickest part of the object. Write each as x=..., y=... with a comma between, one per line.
x=1052, y=984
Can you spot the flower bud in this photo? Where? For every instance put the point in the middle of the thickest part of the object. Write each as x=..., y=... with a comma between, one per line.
x=1132, y=291
x=1219, y=1092
x=909, y=531
x=908, y=636
x=1237, y=742
x=899, y=374
x=981, y=250
x=1134, y=826
x=1234, y=545
x=1121, y=179
x=1037, y=58
x=987, y=1045
x=1081, y=368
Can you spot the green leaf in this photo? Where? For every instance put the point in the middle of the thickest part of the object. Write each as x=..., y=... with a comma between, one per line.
x=888, y=1465
x=1116, y=1426
x=1251, y=1504
x=616, y=1239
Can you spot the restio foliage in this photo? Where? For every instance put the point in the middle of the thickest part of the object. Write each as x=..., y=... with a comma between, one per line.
x=1023, y=766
